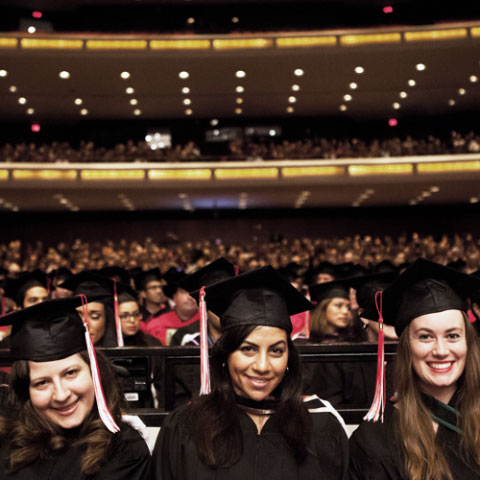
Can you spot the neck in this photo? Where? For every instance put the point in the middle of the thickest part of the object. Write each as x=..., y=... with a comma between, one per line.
x=153, y=307
x=444, y=394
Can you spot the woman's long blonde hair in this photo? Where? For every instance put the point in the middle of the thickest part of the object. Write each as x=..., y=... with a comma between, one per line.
x=414, y=429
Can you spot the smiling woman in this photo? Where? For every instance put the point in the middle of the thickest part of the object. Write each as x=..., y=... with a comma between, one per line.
x=432, y=429
x=254, y=423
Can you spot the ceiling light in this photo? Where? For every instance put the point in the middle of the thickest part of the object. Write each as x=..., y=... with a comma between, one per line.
x=190, y=20
x=239, y=89
x=462, y=91
x=83, y=111
x=183, y=75
x=185, y=90
x=238, y=111
x=434, y=189
x=359, y=70
x=78, y=101
x=187, y=101
x=64, y=74
x=412, y=82
x=426, y=194
x=30, y=111
x=292, y=99
x=12, y=88
x=353, y=86
x=133, y=101
x=474, y=200
x=188, y=111
x=214, y=122
x=239, y=101
x=295, y=88
x=36, y=127
x=22, y=100
x=125, y=75
x=240, y=74
x=129, y=90
x=31, y=29
x=290, y=109
x=392, y=122
x=3, y=73
x=451, y=102
x=298, y=72
x=137, y=112
x=412, y=202
x=420, y=67
x=396, y=105
x=347, y=98
x=403, y=94
x=342, y=108
x=473, y=78
x=235, y=19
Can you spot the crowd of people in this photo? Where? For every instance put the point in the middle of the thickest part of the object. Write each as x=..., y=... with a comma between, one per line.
x=242, y=148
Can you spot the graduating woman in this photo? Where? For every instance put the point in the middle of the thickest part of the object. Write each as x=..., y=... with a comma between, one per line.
x=431, y=429
x=62, y=423
x=254, y=423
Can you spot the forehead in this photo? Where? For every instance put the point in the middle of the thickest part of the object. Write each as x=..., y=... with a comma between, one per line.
x=266, y=335
x=36, y=290
x=128, y=306
x=46, y=369
x=439, y=321
x=92, y=306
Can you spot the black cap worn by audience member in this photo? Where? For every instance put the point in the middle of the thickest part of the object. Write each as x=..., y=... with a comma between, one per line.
x=173, y=276
x=328, y=268
x=115, y=273
x=425, y=287
x=143, y=278
x=26, y=281
x=54, y=330
x=89, y=283
x=328, y=290
x=216, y=271
x=259, y=297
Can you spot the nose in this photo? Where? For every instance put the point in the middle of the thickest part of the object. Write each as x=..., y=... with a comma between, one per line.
x=261, y=364
x=440, y=348
x=61, y=392
x=345, y=310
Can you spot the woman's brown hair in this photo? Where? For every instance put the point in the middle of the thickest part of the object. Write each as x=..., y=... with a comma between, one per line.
x=31, y=437
x=414, y=428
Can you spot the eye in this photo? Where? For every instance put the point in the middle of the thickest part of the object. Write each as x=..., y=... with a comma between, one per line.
x=453, y=336
x=278, y=351
x=72, y=372
x=424, y=336
x=40, y=384
x=246, y=348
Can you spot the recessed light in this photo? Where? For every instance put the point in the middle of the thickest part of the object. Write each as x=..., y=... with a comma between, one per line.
x=411, y=82
x=412, y=202
x=12, y=88
x=187, y=101
x=434, y=189
x=292, y=99
x=64, y=74
x=238, y=111
x=214, y=122
x=451, y=102
x=190, y=20
x=3, y=73
x=239, y=101
x=426, y=194
x=420, y=67
x=185, y=90
x=22, y=100
x=359, y=70
x=295, y=88
x=462, y=91
x=347, y=98
x=188, y=111
x=240, y=74
x=474, y=200
x=129, y=90
x=473, y=78
x=183, y=75
x=137, y=112
x=125, y=75
x=235, y=19
x=342, y=108
x=239, y=89
x=298, y=72
x=396, y=105
x=30, y=111
x=133, y=101
x=83, y=111
x=353, y=86
x=78, y=101
x=290, y=109
x=31, y=29
x=403, y=94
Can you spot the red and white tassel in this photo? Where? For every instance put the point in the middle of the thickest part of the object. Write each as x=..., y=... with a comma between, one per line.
x=102, y=406
x=118, y=324
x=204, y=365
x=378, y=405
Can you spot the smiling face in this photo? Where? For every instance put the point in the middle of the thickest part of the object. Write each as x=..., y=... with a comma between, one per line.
x=62, y=390
x=439, y=350
x=338, y=314
x=259, y=363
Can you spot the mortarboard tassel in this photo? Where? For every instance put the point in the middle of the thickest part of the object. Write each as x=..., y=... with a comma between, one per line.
x=118, y=325
x=378, y=405
x=49, y=286
x=204, y=365
x=102, y=406
x=3, y=306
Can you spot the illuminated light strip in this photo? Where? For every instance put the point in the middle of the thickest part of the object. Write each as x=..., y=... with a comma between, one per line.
x=185, y=174
x=237, y=173
x=349, y=40
x=475, y=31
x=8, y=43
x=179, y=44
x=288, y=172
x=112, y=174
x=3, y=174
x=221, y=44
x=436, y=35
x=293, y=42
x=448, y=167
x=51, y=44
x=117, y=44
x=393, y=169
x=44, y=174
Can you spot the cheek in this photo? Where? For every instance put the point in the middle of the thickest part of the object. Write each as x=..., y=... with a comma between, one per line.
x=39, y=399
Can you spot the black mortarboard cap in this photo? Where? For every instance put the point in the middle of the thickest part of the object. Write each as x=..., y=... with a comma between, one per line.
x=141, y=279
x=384, y=266
x=292, y=271
x=327, y=267
x=126, y=293
x=46, y=331
x=214, y=272
x=115, y=273
x=24, y=282
x=425, y=287
x=88, y=283
x=173, y=276
x=327, y=290
x=475, y=296
x=260, y=297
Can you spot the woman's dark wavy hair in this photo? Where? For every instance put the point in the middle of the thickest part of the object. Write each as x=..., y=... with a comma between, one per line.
x=213, y=420
x=31, y=437
x=109, y=338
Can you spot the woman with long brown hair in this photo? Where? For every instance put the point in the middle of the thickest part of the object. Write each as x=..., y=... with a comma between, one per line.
x=431, y=428
x=64, y=421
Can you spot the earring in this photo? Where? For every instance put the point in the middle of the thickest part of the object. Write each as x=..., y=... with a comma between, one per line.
x=286, y=370
x=223, y=364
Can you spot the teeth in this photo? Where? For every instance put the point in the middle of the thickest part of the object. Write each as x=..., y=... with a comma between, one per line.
x=440, y=365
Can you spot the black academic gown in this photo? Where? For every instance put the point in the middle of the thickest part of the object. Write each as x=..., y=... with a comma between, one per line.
x=265, y=456
x=128, y=459
x=375, y=454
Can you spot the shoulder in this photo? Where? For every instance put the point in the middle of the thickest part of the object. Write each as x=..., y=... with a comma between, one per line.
x=323, y=416
x=129, y=444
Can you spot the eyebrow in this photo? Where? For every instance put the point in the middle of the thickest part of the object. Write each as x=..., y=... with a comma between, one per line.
x=429, y=330
x=62, y=372
x=272, y=345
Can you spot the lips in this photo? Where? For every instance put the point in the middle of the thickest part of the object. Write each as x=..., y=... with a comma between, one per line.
x=67, y=410
x=440, y=366
x=258, y=383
